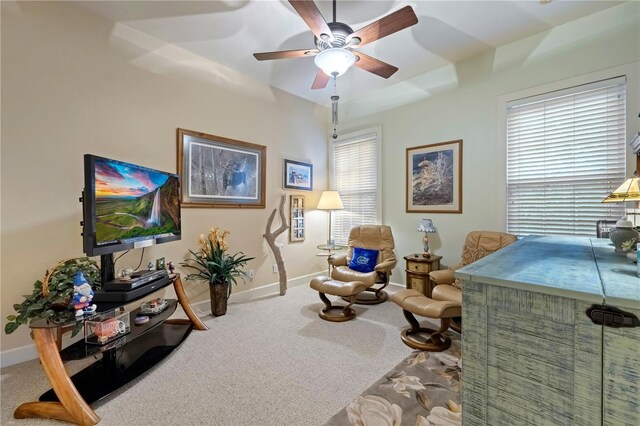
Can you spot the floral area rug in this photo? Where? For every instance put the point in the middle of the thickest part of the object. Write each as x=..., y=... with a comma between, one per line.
x=424, y=389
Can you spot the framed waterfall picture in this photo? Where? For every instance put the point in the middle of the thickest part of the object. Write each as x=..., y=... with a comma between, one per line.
x=220, y=172
x=298, y=175
x=434, y=178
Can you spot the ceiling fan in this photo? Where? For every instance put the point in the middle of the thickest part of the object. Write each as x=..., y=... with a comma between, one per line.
x=335, y=42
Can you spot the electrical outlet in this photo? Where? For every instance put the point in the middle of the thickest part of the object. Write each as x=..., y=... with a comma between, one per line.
x=252, y=274
x=274, y=268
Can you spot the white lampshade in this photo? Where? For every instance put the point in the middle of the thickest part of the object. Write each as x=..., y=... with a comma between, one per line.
x=426, y=225
x=330, y=200
x=335, y=61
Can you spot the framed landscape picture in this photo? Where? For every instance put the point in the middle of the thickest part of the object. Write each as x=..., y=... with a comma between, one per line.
x=434, y=178
x=298, y=175
x=220, y=172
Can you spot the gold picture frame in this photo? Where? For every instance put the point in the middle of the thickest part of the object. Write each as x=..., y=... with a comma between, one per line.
x=221, y=172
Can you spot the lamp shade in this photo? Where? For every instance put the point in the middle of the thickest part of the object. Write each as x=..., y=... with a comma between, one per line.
x=628, y=191
x=334, y=61
x=330, y=200
x=426, y=225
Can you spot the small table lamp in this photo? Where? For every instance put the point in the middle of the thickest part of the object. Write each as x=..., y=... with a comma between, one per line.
x=426, y=226
x=628, y=191
x=330, y=200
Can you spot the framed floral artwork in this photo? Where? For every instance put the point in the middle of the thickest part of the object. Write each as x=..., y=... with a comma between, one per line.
x=434, y=178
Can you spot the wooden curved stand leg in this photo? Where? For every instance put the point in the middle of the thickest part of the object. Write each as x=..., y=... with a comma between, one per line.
x=346, y=312
x=437, y=342
x=71, y=408
x=456, y=324
x=186, y=306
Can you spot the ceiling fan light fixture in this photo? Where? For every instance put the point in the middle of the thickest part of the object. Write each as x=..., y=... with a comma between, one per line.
x=335, y=61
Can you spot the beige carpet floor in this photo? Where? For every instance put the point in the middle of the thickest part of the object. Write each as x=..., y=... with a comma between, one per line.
x=267, y=362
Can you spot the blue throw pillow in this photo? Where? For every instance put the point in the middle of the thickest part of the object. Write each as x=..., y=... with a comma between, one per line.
x=364, y=260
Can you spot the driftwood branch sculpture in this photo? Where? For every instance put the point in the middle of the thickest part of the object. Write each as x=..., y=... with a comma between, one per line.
x=271, y=240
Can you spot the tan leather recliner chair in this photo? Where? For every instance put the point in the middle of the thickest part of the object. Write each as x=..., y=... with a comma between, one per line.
x=375, y=237
x=477, y=245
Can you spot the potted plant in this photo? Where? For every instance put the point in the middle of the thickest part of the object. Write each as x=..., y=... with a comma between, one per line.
x=213, y=264
x=51, y=297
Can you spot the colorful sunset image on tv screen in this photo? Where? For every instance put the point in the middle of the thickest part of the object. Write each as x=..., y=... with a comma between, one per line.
x=133, y=202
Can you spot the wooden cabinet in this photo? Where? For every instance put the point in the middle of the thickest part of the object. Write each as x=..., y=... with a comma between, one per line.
x=418, y=268
x=532, y=353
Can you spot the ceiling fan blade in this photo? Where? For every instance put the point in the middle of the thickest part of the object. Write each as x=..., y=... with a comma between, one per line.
x=320, y=81
x=311, y=15
x=375, y=66
x=392, y=23
x=286, y=54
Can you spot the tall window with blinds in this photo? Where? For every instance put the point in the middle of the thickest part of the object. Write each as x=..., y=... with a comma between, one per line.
x=565, y=154
x=355, y=174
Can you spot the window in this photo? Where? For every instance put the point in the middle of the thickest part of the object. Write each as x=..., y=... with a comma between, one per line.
x=355, y=174
x=565, y=154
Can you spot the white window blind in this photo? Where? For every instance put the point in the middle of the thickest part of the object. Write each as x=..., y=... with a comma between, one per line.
x=565, y=154
x=355, y=175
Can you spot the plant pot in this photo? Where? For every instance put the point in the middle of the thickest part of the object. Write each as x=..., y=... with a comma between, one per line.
x=219, y=295
x=621, y=234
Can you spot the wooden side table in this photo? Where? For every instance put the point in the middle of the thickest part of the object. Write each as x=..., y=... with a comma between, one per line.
x=418, y=268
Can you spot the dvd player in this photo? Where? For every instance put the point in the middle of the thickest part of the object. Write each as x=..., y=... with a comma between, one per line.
x=102, y=296
x=129, y=283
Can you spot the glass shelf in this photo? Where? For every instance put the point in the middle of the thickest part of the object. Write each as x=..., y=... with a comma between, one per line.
x=80, y=349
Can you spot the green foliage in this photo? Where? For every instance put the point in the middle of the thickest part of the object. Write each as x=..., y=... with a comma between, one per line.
x=54, y=306
x=214, y=265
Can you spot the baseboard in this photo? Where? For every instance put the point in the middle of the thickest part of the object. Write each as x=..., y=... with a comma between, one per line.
x=398, y=285
x=18, y=355
x=29, y=352
x=271, y=289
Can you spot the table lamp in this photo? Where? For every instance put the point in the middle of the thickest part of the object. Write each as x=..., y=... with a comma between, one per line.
x=628, y=191
x=426, y=226
x=330, y=200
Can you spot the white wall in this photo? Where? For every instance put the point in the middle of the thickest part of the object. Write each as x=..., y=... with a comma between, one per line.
x=466, y=106
x=75, y=83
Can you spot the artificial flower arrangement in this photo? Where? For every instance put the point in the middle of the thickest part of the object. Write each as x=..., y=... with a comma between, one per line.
x=212, y=262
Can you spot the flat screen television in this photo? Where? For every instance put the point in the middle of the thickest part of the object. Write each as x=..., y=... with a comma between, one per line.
x=127, y=206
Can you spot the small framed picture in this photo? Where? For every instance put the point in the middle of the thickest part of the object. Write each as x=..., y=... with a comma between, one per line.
x=298, y=175
x=297, y=218
x=160, y=264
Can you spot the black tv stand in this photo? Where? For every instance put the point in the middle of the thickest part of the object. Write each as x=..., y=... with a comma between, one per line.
x=105, y=298
x=130, y=356
x=123, y=360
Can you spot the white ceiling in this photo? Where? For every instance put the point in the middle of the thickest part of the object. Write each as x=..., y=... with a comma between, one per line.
x=229, y=32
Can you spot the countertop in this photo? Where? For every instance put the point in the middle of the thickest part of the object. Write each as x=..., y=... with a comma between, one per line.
x=582, y=268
